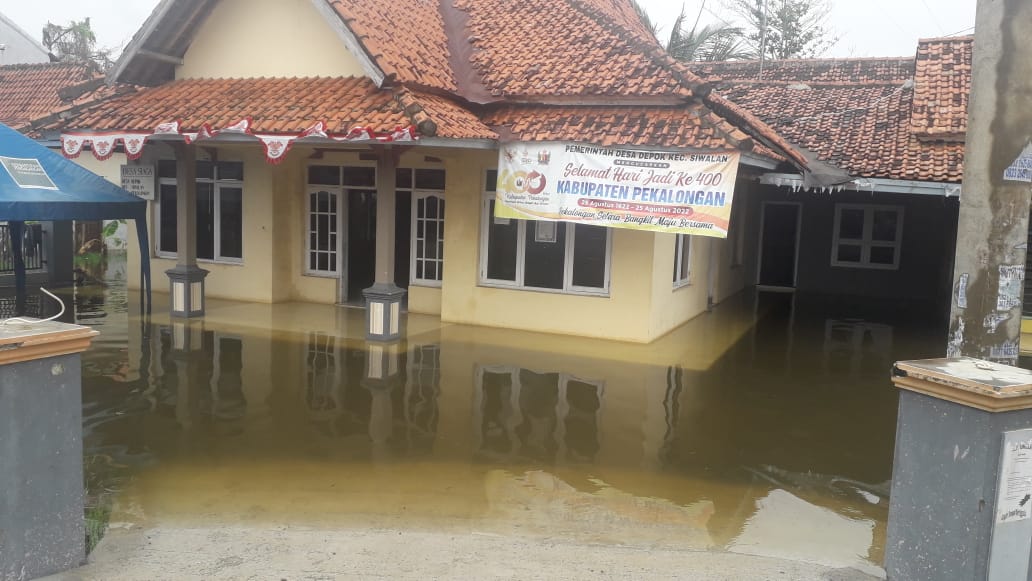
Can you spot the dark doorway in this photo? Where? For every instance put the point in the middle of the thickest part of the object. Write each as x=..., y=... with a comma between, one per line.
x=361, y=248
x=779, y=244
x=361, y=242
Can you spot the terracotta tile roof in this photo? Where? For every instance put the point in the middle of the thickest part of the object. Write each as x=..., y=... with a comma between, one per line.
x=544, y=49
x=283, y=106
x=941, y=87
x=406, y=38
x=673, y=127
x=811, y=71
x=880, y=118
x=30, y=92
x=862, y=129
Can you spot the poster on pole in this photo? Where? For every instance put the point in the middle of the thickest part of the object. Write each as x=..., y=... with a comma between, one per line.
x=662, y=191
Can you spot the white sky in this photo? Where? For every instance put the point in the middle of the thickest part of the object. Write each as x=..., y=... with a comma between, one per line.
x=866, y=27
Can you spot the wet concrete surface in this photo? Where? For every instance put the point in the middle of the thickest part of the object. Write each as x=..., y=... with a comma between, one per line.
x=763, y=429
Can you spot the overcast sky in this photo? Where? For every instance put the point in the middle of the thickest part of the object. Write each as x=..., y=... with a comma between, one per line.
x=866, y=27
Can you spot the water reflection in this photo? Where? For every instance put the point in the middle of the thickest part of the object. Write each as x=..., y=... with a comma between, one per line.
x=788, y=429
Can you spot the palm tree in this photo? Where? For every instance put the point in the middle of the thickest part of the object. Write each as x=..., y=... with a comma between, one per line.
x=708, y=42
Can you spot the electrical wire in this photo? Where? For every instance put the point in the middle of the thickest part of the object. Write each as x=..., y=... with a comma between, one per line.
x=29, y=322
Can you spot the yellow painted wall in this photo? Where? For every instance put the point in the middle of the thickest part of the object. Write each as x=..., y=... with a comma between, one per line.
x=622, y=315
x=267, y=38
x=642, y=304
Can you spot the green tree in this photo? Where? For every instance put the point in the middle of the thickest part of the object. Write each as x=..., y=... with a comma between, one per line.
x=785, y=29
x=76, y=43
x=700, y=42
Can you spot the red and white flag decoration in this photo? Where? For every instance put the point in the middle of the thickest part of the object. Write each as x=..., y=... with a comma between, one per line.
x=276, y=146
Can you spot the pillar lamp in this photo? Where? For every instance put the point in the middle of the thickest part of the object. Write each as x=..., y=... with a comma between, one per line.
x=187, y=291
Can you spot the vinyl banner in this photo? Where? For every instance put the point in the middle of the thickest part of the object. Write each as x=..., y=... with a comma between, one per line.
x=680, y=192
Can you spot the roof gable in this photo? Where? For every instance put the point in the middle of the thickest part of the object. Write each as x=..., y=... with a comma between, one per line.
x=161, y=44
x=266, y=38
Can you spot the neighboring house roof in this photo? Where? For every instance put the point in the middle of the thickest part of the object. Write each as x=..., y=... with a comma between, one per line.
x=942, y=84
x=30, y=92
x=888, y=118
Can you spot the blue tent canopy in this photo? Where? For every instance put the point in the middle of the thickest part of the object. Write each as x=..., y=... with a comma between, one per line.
x=41, y=185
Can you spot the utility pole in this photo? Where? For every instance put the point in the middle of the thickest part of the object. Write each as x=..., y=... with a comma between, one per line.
x=992, y=232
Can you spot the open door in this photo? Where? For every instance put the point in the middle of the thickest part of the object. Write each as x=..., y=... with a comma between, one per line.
x=779, y=245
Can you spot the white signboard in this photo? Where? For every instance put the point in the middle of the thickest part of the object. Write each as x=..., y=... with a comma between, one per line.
x=663, y=191
x=139, y=180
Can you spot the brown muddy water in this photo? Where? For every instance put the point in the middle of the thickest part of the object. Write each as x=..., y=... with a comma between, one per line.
x=765, y=427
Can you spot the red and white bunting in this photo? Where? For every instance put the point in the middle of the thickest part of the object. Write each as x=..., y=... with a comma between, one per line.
x=276, y=146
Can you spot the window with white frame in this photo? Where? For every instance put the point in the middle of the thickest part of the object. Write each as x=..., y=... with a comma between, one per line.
x=867, y=236
x=426, y=257
x=682, y=260
x=220, y=210
x=427, y=238
x=327, y=187
x=539, y=255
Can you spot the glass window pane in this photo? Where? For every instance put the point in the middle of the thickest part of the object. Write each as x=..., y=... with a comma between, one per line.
x=230, y=170
x=313, y=261
x=430, y=179
x=849, y=253
x=403, y=178
x=502, y=236
x=430, y=245
x=491, y=181
x=883, y=255
x=589, y=256
x=167, y=168
x=205, y=170
x=205, y=221
x=885, y=224
x=545, y=260
x=431, y=207
x=431, y=271
x=359, y=176
x=851, y=224
x=324, y=175
x=324, y=261
x=440, y=208
x=167, y=233
x=231, y=227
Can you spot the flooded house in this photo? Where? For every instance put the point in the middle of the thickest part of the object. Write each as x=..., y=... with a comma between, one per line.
x=892, y=129
x=369, y=152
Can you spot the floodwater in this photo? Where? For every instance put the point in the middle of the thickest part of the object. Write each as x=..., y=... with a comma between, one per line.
x=765, y=427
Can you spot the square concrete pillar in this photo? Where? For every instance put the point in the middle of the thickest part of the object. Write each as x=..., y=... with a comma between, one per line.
x=383, y=312
x=42, y=529
x=961, y=501
x=187, y=291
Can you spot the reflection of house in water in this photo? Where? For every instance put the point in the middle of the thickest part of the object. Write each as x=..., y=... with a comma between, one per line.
x=400, y=416
x=849, y=343
x=519, y=414
x=202, y=385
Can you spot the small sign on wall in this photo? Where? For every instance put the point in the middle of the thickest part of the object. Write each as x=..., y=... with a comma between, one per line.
x=139, y=180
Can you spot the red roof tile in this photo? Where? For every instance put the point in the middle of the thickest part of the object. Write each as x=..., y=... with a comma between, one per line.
x=544, y=49
x=941, y=87
x=29, y=92
x=406, y=38
x=283, y=106
x=862, y=129
x=881, y=118
x=668, y=127
x=811, y=71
